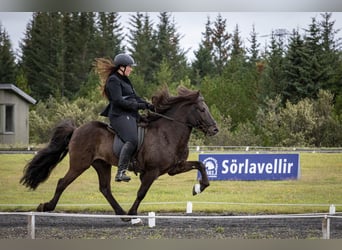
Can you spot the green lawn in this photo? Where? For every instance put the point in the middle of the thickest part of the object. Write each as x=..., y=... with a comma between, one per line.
x=320, y=183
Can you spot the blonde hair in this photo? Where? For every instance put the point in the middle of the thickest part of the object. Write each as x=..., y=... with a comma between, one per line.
x=103, y=67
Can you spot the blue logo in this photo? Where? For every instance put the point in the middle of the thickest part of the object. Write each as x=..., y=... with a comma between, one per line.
x=211, y=166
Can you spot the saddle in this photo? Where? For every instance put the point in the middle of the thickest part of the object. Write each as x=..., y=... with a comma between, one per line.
x=118, y=143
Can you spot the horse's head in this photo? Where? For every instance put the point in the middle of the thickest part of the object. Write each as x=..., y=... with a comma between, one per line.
x=200, y=117
x=193, y=111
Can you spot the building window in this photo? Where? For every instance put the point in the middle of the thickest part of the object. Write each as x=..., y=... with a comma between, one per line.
x=7, y=118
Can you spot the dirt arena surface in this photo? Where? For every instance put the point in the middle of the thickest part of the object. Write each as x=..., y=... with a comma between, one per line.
x=15, y=227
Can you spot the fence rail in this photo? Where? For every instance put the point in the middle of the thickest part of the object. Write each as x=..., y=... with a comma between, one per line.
x=259, y=149
x=152, y=217
x=203, y=149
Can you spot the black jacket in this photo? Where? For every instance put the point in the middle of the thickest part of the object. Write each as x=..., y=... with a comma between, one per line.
x=122, y=97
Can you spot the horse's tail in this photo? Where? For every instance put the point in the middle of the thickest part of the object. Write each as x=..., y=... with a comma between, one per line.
x=39, y=168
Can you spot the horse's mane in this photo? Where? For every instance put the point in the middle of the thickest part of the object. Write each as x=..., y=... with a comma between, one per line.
x=163, y=101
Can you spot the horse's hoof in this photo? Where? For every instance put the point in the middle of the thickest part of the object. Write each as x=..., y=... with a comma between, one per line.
x=136, y=221
x=40, y=208
x=196, y=189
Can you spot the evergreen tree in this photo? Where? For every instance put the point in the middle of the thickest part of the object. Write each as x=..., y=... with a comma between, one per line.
x=102, y=37
x=237, y=46
x=203, y=64
x=314, y=60
x=168, y=47
x=59, y=48
x=253, y=51
x=7, y=58
x=273, y=77
x=77, y=50
x=255, y=66
x=331, y=58
x=241, y=90
x=296, y=75
x=143, y=49
x=39, y=55
x=221, y=43
x=110, y=37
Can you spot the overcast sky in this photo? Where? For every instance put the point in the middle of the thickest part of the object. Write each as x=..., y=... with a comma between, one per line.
x=191, y=24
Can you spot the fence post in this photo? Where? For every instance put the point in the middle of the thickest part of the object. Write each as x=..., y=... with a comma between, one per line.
x=151, y=219
x=189, y=207
x=31, y=225
x=326, y=223
x=326, y=228
x=332, y=209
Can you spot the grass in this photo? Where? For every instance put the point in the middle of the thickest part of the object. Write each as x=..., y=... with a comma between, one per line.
x=320, y=183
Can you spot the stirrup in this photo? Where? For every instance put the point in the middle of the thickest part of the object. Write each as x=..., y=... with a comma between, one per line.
x=121, y=176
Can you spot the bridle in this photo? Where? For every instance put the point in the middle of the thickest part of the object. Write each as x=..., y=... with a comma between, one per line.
x=198, y=125
x=171, y=119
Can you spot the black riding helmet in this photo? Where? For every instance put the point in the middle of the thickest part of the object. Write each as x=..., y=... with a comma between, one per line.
x=124, y=60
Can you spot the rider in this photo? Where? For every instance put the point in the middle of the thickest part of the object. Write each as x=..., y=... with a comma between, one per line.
x=123, y=107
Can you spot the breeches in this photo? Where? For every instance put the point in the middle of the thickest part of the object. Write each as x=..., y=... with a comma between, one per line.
x=125, y=126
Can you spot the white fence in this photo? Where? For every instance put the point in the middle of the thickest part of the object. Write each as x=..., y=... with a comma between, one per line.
x=258, y=149
x=217, y=148
x=152, y=218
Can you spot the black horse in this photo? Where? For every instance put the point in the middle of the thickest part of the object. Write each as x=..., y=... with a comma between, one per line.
x=164, y=150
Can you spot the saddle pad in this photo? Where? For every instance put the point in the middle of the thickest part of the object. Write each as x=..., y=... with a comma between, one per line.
x=118, y=143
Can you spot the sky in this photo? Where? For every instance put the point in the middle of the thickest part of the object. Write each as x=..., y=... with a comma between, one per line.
x=191, y=25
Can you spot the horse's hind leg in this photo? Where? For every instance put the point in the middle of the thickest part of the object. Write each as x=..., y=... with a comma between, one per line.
x=104, y=173
x=62, y=184
x=190, y=165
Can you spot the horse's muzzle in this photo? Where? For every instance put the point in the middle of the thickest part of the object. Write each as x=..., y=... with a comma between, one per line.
x=212, y=130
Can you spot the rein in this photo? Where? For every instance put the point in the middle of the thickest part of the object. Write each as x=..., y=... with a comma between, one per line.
x=171, y=119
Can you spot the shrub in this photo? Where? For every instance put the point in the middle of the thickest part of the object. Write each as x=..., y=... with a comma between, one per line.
x=310, y=122
x=47, y=114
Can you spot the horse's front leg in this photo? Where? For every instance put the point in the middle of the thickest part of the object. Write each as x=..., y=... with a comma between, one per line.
x=190, y=165
x=147, y=178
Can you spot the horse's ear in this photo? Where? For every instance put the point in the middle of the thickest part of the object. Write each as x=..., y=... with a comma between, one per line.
x=199, y=95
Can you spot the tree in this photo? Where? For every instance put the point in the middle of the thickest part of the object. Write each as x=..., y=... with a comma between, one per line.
x=314, y=60
x=221, y=43
x=7, y=58
x=309, y=122
x=168, y=47
x=203, y=64
x=143, y=49
x=253, y=50
x=255, y=65
x=296, y=74
x=110, y=35
x=77, y=50
x=237, y=47
x=40, y=55
x=273, y=77
x=59, y=48
x=330, y=54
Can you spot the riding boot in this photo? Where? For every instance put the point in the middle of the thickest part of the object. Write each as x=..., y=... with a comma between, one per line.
x=125, y=156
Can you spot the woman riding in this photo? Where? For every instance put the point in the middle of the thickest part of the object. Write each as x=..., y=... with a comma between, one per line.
x=123, y=106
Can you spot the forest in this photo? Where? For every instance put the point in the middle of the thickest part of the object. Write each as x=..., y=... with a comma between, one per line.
x=286, y=94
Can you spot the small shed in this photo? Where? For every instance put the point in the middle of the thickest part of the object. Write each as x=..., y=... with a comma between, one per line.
x=14, y=114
